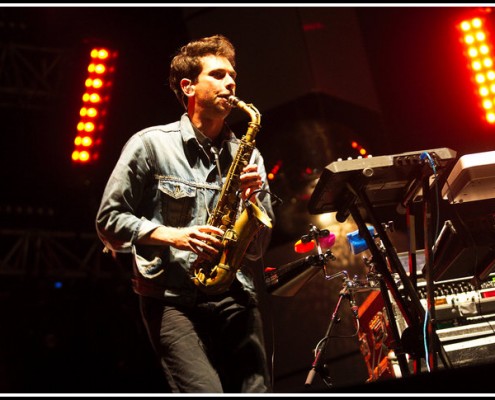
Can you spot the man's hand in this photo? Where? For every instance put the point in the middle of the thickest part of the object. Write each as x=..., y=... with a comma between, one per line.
x=250, y=180
x=202, y=239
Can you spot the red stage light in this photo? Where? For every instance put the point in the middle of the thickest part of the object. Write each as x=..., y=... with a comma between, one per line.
x=97, y=84
x=475, y=37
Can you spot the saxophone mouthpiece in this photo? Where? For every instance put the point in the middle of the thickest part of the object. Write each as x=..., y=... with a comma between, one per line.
x=233, y=101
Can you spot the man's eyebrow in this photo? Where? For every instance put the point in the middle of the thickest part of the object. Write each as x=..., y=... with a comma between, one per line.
x=232, y=72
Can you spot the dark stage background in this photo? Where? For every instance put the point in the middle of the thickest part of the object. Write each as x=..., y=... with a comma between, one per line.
x=392, y=78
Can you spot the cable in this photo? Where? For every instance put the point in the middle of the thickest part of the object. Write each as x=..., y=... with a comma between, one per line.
x=425, y=155
x=269, y=312
x=278, y=201
x=425, y=324
x=431, y=162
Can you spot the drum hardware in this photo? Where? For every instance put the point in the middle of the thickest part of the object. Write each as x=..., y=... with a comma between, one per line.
x=373, y=281
x=350, y=286
x=288, y=279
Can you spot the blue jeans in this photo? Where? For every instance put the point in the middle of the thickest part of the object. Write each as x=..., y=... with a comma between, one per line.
x=217, y=346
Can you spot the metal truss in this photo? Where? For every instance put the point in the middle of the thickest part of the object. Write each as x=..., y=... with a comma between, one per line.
x=55, y=254
x=29, y=75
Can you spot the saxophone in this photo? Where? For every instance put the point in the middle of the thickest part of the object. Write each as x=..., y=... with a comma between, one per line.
x=217, y=276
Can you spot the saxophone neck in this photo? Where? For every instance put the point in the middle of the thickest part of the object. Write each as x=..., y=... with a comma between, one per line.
x=250, y=109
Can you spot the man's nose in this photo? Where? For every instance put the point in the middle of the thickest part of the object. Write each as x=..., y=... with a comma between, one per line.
x=229, y=82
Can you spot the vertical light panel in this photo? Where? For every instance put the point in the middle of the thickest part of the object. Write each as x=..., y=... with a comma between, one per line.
x=478, y=49
x=95, y=100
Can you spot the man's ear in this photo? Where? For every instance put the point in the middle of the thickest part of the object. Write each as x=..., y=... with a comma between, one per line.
x=187, y=87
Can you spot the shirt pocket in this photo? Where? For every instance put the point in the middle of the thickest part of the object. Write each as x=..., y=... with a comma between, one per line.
x=178, y=201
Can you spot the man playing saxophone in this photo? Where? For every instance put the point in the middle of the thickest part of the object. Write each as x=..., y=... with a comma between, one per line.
x=157, y=206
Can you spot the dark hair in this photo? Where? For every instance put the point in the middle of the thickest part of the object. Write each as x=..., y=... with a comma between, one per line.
x=187, y=61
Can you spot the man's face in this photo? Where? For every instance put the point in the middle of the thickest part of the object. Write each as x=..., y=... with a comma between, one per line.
x=214, y=85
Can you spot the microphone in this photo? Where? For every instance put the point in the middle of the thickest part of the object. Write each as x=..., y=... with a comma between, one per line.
x=288, y=279
x=214, y=151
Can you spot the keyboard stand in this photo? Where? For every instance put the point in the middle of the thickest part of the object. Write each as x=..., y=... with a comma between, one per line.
x=349, y=187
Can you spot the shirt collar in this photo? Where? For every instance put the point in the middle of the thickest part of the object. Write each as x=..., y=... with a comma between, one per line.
x=194, y=135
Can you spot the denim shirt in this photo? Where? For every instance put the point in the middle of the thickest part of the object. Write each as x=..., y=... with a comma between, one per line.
x=165, y=176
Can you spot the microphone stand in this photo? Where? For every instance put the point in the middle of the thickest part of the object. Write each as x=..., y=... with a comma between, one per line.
x=317, y=365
